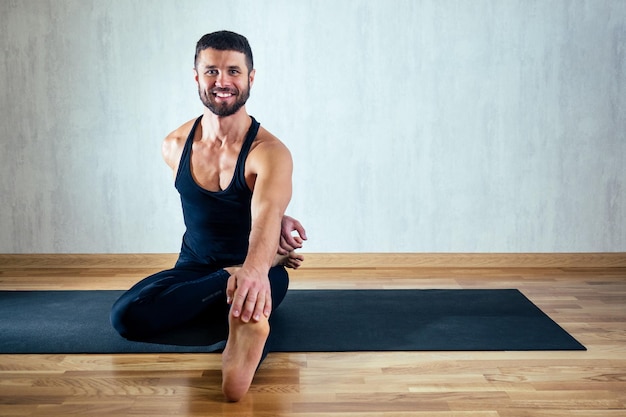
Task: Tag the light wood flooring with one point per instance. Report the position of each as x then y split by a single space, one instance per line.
589 302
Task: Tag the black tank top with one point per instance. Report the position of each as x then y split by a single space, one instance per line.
218 223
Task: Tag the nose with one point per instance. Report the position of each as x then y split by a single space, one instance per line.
222 79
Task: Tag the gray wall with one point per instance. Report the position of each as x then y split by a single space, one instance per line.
416 126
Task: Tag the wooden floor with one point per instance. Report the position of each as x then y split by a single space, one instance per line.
590 303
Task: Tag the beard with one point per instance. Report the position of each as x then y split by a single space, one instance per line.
224 109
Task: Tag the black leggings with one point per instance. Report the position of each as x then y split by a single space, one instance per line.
171 298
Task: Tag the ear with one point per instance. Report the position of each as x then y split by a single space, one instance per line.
251 76
195 75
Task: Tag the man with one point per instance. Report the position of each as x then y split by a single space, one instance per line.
234 179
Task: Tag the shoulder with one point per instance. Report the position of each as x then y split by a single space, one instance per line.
269 165
268 149
174 142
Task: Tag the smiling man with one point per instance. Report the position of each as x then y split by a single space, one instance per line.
234 180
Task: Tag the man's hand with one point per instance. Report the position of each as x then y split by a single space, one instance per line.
249 294
288 242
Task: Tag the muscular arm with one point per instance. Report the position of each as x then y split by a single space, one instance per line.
249 289
172 145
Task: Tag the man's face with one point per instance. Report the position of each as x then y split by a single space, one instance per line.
223 80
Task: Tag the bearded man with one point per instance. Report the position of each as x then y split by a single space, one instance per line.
234 180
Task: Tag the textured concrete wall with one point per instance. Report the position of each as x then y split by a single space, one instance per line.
420 126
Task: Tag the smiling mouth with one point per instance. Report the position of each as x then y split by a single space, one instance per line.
223 94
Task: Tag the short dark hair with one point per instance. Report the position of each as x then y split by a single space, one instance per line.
225 40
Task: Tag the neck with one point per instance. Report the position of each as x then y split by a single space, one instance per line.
225 129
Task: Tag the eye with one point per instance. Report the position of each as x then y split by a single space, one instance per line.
234 72
211 72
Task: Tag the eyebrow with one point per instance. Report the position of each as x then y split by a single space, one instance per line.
230 67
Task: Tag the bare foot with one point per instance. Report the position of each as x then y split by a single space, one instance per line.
242 355
291 260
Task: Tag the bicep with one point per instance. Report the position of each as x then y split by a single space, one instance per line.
171 153
273 186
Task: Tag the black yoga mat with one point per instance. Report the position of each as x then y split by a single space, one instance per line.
306 321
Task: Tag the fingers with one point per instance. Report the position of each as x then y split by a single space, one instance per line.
300 229
289 245
235 295
296 226
290 225
258 307
249 307
254 305
283 247
231 286
267 310
248 302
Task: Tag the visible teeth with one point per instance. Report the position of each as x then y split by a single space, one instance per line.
223 93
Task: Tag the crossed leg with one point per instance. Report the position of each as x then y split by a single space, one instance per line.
245 344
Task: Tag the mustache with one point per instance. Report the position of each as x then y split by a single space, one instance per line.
218 90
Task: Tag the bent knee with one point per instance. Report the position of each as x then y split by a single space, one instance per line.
125 322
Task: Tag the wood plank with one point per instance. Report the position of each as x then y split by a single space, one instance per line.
589 302
337 260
